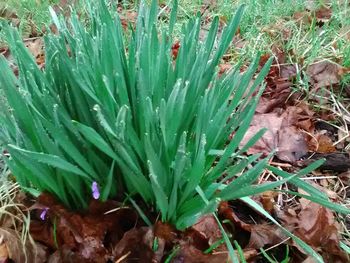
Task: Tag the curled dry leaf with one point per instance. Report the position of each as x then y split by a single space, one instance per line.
267 200
317 226
283 132
265 234
279 81
36 48
165 231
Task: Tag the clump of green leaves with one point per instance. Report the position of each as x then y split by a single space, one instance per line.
114 107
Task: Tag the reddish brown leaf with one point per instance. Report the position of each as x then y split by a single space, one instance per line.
302 17
323 14
190 254
136 246
288 71
205 233
175 49
279 82
165 231
83 236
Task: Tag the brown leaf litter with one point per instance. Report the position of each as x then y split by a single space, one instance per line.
82 237
95 236
325 73
283 133
188 246
316 225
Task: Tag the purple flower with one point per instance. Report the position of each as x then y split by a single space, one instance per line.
95 191
43 213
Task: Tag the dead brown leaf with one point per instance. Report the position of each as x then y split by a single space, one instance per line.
265 234
260 234
127 17
83 236
282 135
302 17
13 248
9 14
205 233
36 48
224 68
175 49
279 81
267 200
165 231
321 143
324 73
317 226
323 14
190 254
136 246
4 253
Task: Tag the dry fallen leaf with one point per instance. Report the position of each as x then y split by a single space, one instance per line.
323 14
127 17
281 135
317 226
127 251
208 228
324 73
267 200
321 143
12 247
190 254
224 68
260 234
82 237
4 254
265 234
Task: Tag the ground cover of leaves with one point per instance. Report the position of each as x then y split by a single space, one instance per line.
303 125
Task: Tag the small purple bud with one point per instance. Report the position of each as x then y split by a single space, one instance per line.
43 213
95 191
